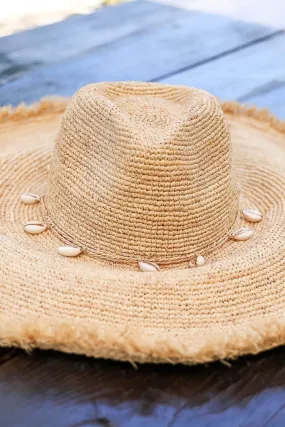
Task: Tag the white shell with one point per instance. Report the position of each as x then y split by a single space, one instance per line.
200 261
197 261
69 251
30 198
148 266
35 227
252 215
242 234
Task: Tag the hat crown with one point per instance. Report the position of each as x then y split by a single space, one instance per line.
142 170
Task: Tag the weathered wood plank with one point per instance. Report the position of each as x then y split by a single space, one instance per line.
146 55
6 355
49 389
251 75
271 96
77 34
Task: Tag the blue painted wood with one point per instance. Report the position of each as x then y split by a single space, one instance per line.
49 389
252 75
271 96
149 54
78 34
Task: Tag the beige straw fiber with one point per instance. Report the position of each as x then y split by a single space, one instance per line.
140 171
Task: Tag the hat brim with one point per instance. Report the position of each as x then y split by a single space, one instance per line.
235 304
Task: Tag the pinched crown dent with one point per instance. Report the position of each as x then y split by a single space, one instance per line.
143 170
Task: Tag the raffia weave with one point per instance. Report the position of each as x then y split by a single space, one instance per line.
142 171
233 305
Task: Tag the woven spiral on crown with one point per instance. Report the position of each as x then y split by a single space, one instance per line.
142 170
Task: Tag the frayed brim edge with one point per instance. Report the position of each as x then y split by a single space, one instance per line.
134 345
48 105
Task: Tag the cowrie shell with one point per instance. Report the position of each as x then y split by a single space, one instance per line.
242 234
148 266
30 198
69 251
252 215
200 261
34 227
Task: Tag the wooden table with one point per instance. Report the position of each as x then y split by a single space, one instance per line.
143 41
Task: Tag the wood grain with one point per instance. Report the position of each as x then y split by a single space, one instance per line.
49 389
148 54
78 34
270 95
252 75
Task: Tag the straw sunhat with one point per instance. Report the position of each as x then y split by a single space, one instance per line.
157 234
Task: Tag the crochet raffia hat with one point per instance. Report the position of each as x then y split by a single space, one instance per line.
145 223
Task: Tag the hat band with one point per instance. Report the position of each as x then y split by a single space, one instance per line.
127 259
